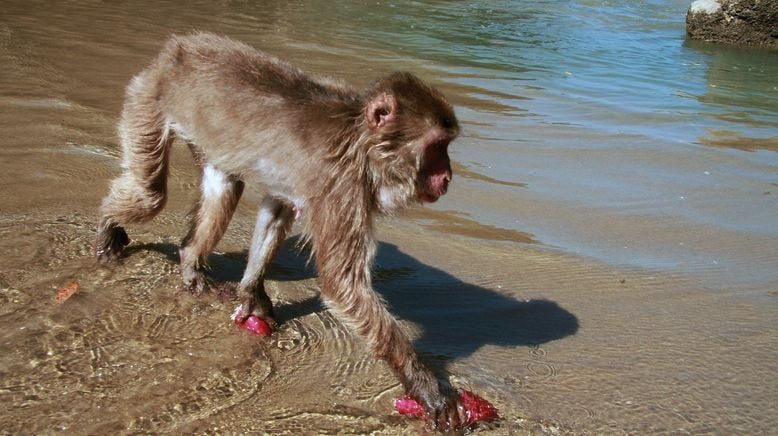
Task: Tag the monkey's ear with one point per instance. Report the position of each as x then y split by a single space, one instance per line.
381 110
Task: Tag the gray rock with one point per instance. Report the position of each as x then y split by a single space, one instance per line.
752 22
705 6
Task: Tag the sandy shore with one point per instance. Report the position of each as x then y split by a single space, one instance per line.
555 341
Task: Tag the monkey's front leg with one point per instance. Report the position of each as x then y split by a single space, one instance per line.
440 400
347 289
273 222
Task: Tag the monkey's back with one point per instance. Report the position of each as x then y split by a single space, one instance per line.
245 108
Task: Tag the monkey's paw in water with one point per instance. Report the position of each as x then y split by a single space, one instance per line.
476 408
252 324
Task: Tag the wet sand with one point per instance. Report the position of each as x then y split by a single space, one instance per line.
554 341
560 339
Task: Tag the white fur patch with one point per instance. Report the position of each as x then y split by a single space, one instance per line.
136 84
264 218
237 312
267 170
705 6
178 128
214 182
278 182
389 199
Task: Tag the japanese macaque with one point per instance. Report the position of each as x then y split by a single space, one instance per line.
317 147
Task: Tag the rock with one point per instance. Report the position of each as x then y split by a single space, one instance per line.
751 22
705 6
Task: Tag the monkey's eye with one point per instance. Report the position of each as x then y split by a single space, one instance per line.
447 122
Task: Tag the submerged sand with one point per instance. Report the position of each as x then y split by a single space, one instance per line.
559 340
554 341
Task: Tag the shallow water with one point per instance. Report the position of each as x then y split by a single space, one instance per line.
605 261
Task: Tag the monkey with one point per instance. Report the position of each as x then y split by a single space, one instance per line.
317 147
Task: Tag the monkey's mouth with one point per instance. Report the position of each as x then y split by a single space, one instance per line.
435 187
432 195
428 198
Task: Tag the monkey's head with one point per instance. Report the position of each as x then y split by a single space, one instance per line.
411 124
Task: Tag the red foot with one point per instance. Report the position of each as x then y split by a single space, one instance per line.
253 324
476 408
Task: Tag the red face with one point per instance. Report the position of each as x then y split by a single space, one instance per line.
417 122
435 169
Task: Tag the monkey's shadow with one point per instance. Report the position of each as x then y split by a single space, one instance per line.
454 318
458 318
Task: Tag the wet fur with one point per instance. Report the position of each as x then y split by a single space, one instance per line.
315 144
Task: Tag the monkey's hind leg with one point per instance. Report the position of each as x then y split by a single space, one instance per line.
139 193
219 198
273 222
